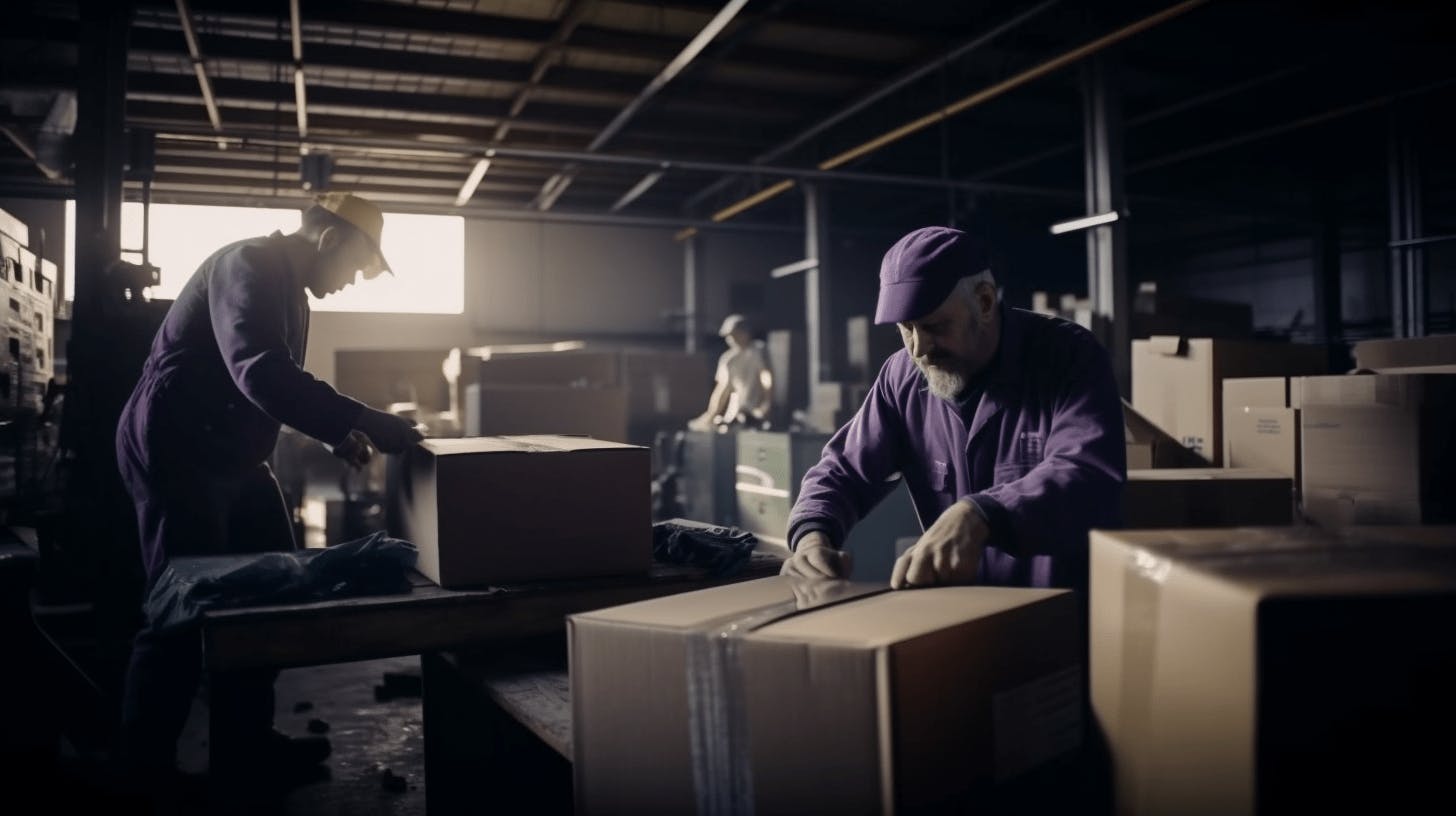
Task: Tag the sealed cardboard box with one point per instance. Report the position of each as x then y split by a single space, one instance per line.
1177 383
501 410
892 702
1206 497
497 510
1275 670
1379 449
1411 355
1261 424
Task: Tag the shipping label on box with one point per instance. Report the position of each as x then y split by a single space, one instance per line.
496 510
713 701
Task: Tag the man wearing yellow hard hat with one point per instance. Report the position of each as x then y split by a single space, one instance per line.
224 372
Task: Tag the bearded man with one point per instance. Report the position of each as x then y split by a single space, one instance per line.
1006 426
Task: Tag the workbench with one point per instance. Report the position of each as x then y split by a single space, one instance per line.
427 620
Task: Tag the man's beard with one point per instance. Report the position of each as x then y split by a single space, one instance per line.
943 382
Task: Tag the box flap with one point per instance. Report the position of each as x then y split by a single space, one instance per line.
1168 345
538 443
881 620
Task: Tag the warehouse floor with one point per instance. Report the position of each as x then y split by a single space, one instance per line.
370 737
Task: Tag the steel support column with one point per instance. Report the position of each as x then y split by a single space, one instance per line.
818 291
1328 278
1407 260
100 147
691 283
1107 278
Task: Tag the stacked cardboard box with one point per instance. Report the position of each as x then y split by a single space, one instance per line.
1261 424
1148 446
1206 497
1412 355
553 389
1270 671
1177 383
1379 448
733 700
500 510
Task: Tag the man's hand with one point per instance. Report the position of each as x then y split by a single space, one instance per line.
389 433
355 449
816 558
948 553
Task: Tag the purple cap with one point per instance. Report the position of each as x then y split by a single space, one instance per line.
921 269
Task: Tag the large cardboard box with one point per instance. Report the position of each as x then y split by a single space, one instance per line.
1379 449
1178 383
1274 671
899 701
1411 355
523 409
498 510
1206 497
1261 424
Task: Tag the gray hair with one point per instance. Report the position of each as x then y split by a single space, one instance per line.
966 287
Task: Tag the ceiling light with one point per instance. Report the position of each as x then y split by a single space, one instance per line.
1084 222
472 181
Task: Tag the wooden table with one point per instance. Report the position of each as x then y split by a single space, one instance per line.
427 620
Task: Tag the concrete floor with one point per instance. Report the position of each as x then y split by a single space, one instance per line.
368 737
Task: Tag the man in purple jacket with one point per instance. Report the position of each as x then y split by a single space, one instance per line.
224 372
1006 426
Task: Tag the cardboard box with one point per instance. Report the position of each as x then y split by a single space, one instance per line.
666 387
1206 497
1436 354
497 510
600 413
1261 424
1379 449
381 377
1149 447
1274 671
891 702
1178 383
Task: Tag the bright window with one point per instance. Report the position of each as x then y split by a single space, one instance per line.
427 253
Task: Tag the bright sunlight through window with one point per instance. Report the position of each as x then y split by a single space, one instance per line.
427 253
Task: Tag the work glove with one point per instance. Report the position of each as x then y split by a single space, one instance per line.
948 553
815 557
389 433
355 449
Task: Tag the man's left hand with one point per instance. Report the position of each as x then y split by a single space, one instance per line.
948 553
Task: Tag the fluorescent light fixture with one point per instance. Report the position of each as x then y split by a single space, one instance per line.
794 268
638 189
555 186
300 102
472 181
1084 222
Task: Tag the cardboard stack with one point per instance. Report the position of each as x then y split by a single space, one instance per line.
1261 424
554 389
1285 670
499 510
731 700
1379 449
1412 355
1177 383
1206 497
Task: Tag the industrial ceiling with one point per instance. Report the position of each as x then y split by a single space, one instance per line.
703 112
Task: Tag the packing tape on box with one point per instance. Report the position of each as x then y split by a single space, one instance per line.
717 714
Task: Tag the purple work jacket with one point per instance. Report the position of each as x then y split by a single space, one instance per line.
225 369
1041 454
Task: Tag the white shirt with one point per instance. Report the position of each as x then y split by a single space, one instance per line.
743 369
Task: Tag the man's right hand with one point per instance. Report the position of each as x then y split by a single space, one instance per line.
389 433
815 557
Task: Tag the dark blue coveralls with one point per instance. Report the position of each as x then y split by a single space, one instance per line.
225 369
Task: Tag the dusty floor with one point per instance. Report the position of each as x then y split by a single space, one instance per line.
369 736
